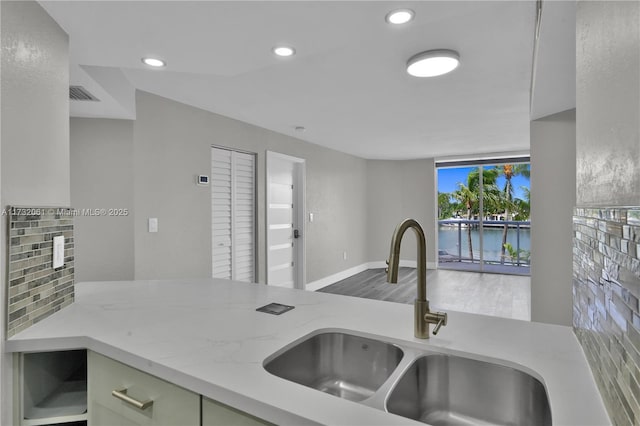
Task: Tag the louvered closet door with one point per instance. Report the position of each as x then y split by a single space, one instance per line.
221 202
243 217
233 214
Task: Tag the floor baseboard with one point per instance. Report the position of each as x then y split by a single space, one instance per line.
332 279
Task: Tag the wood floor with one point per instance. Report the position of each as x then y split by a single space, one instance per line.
507 296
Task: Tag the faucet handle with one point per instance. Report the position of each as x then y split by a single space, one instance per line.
437 318
442 321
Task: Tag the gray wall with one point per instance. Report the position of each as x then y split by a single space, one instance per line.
102 178
608 103
35 107
172 145
606 270
553 180
34 137
356 203
336 195
397 190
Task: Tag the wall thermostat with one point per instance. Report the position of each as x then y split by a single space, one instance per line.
203 180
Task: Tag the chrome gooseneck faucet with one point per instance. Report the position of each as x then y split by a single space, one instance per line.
423 316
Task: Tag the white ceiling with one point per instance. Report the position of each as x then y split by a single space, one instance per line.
347 84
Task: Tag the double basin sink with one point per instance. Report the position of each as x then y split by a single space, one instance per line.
424 385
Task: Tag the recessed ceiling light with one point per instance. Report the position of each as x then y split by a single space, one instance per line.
400 16
154 62
284 51
433 63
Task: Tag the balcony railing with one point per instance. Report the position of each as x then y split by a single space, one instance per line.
519 256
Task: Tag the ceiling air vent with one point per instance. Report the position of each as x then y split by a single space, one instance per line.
79 93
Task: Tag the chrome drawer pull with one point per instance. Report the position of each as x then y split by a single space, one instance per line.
122 395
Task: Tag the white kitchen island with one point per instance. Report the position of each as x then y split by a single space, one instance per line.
206 336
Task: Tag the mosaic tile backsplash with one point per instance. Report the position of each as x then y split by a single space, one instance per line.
606 312
37 290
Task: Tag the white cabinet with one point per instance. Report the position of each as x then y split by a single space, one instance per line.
217 414
52 388
85 388
121 395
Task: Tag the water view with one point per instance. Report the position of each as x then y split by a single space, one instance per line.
449 248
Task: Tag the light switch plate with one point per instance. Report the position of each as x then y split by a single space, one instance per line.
58 252
153 224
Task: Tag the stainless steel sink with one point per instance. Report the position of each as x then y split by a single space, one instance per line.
348 366
414 382
451 390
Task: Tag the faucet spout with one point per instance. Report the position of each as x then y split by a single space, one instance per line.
423 316
394 256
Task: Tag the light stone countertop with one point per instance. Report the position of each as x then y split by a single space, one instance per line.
206 336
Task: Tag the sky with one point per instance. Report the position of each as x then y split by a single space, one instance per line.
448 179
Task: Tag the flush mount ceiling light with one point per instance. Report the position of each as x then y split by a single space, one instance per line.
433 63
399 16
300 129
154 62
284 51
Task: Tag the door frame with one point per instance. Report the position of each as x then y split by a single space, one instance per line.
299 194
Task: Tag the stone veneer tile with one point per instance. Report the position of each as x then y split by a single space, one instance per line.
606 304
36 290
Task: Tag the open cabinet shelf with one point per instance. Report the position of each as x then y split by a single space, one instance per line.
54 388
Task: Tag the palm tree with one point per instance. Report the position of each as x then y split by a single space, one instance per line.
466 197
491 196
469 195
444 205
509 171
523 207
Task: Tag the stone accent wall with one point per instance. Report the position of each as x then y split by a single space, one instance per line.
606 312
36 290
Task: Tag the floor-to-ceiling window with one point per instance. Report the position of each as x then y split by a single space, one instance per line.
484 215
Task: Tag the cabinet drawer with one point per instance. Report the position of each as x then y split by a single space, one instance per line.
172 405
217 414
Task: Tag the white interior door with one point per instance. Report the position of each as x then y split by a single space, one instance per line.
285 220
233 214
